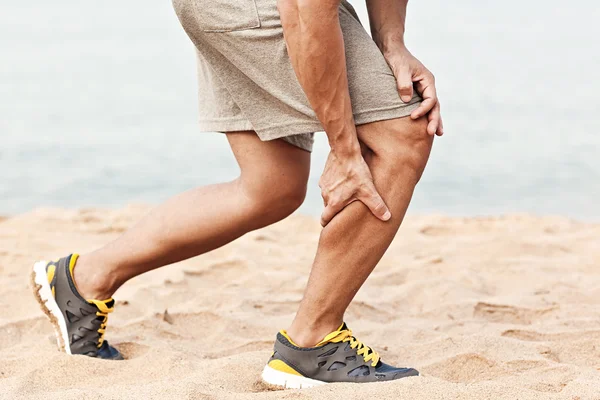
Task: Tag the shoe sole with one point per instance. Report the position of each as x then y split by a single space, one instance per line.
288 381
43 294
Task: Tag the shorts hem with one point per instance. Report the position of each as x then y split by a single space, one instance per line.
225 125
365 117
287 130
293 133
272 133
360 118
293 128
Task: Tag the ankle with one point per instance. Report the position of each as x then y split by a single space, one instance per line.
309 333
92 279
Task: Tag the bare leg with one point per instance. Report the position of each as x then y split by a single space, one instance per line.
354 241
271 185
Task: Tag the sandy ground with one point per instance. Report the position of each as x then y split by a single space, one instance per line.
487 308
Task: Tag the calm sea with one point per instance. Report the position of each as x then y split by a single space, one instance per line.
98 107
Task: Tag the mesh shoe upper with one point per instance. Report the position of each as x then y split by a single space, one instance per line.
85 319
340 357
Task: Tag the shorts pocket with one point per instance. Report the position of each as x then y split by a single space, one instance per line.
227 15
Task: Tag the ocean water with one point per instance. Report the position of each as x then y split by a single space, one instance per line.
98 107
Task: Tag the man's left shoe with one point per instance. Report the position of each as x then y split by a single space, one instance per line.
79 324
339 357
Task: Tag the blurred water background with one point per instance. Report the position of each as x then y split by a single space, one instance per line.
98 107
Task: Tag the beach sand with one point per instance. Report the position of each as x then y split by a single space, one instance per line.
486 308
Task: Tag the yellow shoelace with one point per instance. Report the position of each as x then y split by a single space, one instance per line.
104 311
346 336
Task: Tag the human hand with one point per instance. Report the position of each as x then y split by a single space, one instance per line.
345 179
408 72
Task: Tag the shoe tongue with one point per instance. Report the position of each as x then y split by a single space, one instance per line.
103 305
332 335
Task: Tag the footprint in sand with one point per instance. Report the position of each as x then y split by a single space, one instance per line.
576 347
509 314
395 278
553 380
466 368
258 345
222 270
362 310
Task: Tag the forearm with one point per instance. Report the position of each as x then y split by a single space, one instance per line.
316 48
387 19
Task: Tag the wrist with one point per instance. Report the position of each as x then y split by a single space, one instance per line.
345 146
390 42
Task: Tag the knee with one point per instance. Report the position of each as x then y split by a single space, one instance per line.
288 198
273 200
404 148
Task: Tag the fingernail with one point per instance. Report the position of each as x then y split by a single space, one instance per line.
387 215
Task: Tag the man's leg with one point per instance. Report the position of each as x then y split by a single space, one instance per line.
271 185
354 241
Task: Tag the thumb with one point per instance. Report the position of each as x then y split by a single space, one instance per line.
329 212
405 86
377 206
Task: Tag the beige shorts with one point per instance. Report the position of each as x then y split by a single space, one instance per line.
246 80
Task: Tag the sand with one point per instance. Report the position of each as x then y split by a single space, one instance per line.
486 308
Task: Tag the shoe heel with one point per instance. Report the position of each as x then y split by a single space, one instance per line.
43 294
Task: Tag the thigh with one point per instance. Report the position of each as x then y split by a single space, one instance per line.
269 165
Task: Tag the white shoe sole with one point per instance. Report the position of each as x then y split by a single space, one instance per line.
288 381
43 294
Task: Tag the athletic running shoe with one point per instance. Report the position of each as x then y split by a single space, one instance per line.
339 357
79 324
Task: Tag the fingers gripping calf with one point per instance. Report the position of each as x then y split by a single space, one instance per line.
394 154
398 151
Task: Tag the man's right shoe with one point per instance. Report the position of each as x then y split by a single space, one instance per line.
79 324
339 357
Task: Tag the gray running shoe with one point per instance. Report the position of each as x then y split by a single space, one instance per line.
79 324
339 357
